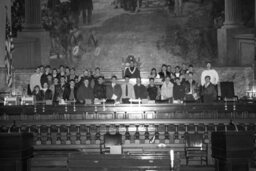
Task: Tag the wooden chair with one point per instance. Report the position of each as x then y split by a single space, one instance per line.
227 91
195 148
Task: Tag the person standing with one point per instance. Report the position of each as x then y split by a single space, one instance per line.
164 73
35 79
209 92
152 90
214 76
99 90
167 89
178 91
127 90
86 7
114 91
140 90
70 91
85 92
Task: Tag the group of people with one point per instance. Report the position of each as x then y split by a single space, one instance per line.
178 84
168 85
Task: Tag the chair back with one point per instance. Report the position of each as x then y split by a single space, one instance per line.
194 140
112 140
227 89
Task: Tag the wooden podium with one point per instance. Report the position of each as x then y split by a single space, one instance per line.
15 151
232 151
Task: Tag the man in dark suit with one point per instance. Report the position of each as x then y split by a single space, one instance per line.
114 91
86 6
140 90
132 71
99 90
70 91
209 91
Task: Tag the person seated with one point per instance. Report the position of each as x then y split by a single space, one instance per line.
140 90
70 91
167 89
127 90
152 90
99 90
85 92
153 74
114 91
178 91
132 71
37 93
209 92
47 93
191 88
164 73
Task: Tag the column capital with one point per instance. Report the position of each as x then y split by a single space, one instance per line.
233 14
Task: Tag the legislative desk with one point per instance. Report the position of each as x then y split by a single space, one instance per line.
82 127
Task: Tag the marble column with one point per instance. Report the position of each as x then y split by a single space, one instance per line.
3 5
233 13
233 26
255 15
32 14
255 39
37 52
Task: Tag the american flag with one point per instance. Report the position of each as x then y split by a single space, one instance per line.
9 47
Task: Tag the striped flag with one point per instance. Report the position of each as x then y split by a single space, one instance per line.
9 47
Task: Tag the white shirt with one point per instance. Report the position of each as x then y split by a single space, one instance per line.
166 90
212 73
35 80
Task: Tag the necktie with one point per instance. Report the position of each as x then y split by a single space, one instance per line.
126 90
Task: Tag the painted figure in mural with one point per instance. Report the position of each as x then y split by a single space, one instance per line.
93 42
75 49
178 6
53 4
117 3
74 7
52 25
86 7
